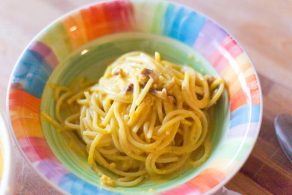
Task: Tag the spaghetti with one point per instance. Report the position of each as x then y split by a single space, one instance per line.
146 117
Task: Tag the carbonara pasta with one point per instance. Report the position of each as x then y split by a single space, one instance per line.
145 117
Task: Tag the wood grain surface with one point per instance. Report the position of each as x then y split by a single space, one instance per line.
264 29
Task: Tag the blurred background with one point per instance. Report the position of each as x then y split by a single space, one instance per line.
263 28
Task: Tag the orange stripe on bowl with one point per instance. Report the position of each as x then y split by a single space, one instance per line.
24 114
95 21
20 98
235 86
254 89
25 123
207 180
230 76
238 99
75 30
237 96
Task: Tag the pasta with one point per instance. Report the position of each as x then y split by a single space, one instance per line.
145 117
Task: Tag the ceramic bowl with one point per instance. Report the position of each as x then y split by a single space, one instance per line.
84 41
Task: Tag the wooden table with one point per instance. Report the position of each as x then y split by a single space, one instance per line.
263 27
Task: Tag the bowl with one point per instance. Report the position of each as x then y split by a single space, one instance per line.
5 159
85 41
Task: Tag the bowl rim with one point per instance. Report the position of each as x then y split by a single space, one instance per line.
248 153
43 31
228 177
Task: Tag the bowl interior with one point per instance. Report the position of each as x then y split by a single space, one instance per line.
90 62
85 41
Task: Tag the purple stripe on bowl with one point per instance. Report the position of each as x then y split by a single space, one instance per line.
46 53
210 34
240 130
53 170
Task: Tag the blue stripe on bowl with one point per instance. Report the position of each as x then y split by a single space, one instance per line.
32 72
182 24
74 185
241 115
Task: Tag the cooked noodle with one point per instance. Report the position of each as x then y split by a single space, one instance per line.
145 118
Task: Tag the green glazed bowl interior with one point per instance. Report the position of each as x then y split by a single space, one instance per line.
90 62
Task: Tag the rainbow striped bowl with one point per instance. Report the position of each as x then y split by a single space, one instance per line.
84 41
